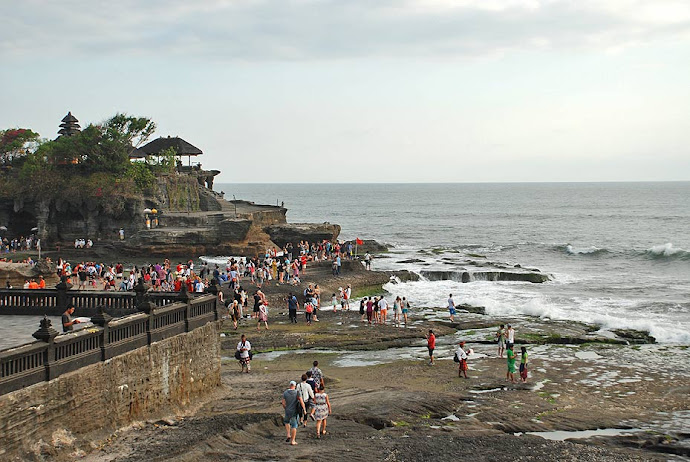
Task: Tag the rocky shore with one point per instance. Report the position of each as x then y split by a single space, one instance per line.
591 395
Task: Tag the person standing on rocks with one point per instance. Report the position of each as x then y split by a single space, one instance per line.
510 355
244 350
451 307
306 392
292 401
500 337
523 364
431 346
362 304
510 335
405 309
383 309
292 307
462 356
367 261
397 310
370 309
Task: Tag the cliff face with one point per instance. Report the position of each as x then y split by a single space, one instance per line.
192 219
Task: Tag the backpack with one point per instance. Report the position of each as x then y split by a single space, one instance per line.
455 358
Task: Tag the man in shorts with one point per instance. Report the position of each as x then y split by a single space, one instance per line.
431 346
291 402
451 307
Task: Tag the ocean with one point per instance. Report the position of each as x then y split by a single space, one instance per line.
618 254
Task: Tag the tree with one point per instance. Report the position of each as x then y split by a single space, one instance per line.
16 143
134 131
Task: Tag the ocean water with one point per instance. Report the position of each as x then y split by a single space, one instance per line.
618 254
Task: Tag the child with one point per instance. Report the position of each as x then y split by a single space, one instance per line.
334 302
523 364
308 310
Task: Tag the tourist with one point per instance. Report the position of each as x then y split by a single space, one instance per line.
405 309
291 401
308 311
500 337
338 264
306 392
322 409
362 304
317 301
334 302
383 309
316 374
347 294
397 311
451 307
235 313
370 309
377 318
257 303
462 357
367 261
510 335
67 322
263 316
523 364
244 348
431 345
293 305
510 355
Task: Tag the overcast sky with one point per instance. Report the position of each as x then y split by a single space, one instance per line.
369 91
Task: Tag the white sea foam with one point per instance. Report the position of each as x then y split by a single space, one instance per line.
667 250
582 251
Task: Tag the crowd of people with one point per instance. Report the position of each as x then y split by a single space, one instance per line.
31 242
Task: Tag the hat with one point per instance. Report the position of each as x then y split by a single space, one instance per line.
461 343
293 383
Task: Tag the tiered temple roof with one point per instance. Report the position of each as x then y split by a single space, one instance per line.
69 125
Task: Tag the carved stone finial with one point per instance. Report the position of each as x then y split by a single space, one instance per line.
46 331
102 318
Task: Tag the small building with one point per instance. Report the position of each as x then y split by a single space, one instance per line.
182 149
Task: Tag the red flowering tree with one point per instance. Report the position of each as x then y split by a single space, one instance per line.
16 143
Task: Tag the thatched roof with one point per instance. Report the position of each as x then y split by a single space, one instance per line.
182 148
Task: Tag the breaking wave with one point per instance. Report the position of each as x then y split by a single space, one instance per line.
667 251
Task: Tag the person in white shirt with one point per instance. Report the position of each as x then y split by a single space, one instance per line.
462 356
243 349
451 307
510 335
383 309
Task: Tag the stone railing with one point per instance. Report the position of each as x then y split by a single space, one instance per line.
55 354
53 302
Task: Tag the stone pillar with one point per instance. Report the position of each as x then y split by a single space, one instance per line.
102 319
47 334
185 297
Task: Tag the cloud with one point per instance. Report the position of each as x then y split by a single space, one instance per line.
331 29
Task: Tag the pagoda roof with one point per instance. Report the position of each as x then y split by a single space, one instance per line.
182 148
69 118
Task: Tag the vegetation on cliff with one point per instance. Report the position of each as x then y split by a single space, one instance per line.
89 165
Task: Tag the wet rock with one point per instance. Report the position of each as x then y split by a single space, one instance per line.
411 260
634 336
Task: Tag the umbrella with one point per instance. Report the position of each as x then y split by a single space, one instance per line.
147 210
3 228
34 229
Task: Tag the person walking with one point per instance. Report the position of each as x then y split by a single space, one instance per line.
431 345
397 311
316 374
322 406
306 392
263 316
292 307
244 353
451 307
462 357
292 401
405 309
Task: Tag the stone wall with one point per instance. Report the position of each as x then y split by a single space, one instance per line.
152 381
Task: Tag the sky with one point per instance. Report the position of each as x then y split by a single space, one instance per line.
325 91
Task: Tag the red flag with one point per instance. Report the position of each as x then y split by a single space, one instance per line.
359 241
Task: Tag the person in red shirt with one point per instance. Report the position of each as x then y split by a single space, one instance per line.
431 345
41 283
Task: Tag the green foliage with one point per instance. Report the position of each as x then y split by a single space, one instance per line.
16 143
128 130
141 174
